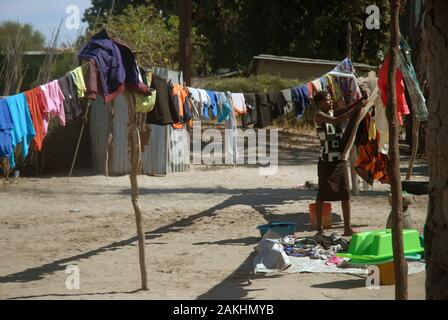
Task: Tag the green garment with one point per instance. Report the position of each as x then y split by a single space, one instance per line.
78 78
145 103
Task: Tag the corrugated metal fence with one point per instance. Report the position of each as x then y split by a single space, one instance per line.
167 149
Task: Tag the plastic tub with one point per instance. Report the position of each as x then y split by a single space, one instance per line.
326 215
375 247
281 228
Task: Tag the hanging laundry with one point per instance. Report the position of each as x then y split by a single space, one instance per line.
109 62
310 89
346 84
71 101
188 109
78 79
164 111
334 89
324 83
226 111
90 73
179 105
263 110
196 102
6 127
382 125
213 106
145 104
23 131
183 108
238 103
221 98
251 106
300 97
205 101
287 95
37 107
278 104
370 164
417 100
288 98
317 85
402 106
54 101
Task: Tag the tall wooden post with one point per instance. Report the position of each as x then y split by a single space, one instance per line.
401 272
185 41
135 162
415 141
353 153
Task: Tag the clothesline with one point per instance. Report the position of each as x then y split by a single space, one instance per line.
110 67
24 117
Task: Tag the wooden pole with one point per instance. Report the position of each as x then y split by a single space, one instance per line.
349 40
353 153
185 41
401 272
415 141
135 161
84 123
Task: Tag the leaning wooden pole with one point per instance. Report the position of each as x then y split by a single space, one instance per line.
415 142
84 123
353 153
401 273
135 161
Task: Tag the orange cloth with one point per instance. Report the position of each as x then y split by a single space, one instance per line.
370 165
182 97
36 104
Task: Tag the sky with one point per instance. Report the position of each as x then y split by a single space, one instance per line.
44 15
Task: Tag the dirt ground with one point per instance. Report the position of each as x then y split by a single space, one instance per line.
200 233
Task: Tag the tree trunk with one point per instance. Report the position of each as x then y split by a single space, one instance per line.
135 161
401 274
435 51
185 41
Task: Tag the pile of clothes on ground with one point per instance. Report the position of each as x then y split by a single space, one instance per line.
317 247
275 252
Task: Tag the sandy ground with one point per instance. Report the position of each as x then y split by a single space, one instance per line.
200 233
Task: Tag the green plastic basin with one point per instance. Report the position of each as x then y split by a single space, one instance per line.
375 247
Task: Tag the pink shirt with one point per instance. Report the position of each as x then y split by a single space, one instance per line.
54 99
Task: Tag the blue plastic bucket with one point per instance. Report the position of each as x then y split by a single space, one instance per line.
281 228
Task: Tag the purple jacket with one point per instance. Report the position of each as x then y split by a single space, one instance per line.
115 62
107 56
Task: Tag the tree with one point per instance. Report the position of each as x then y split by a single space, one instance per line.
152 34
435 44
233 31
31 39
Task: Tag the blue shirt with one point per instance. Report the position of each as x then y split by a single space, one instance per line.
301 99
23 129
5 130
214 103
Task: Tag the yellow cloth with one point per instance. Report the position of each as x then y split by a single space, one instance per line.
145 103
372 130
334 87
78 78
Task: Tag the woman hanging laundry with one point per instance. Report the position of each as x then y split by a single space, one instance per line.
331 169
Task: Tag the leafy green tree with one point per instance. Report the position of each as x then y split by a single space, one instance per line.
152 35
233 31
31 39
